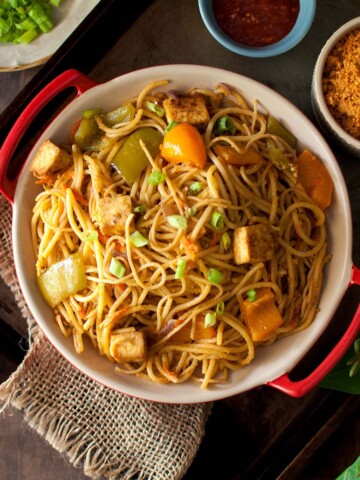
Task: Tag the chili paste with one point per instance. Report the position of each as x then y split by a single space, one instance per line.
256 23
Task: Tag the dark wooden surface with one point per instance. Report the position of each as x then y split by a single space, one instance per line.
261 434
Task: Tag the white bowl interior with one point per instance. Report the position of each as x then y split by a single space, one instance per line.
322 111
270 362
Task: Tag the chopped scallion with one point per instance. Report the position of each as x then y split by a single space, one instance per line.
195 188
171 125
89 235
155 108
180 269
177 221
220 307
155 178
214 276
226 241
140 209
224 125
138 240
210 319
217 221
191 211
251 294
117 268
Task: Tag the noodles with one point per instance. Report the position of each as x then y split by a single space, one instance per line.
167 293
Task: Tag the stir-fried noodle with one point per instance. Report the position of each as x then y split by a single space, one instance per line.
181 286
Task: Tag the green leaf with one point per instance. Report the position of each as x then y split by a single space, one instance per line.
339 378
352 472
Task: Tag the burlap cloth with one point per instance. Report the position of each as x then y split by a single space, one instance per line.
106 433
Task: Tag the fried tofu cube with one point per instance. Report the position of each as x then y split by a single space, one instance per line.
261 316
254 243
113 213
191 109
49 159
128 346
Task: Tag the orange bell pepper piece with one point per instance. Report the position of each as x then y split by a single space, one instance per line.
232 157
315 178
261 316
200 332
184 144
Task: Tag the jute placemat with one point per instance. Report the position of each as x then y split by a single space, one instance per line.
106 433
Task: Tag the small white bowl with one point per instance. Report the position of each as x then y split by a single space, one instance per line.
321 111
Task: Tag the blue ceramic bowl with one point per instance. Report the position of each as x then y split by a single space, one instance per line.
301 27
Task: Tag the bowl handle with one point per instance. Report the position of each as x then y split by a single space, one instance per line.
69 78
300 388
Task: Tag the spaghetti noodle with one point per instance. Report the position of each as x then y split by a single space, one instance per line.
170 272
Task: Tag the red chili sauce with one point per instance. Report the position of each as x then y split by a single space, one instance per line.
256 23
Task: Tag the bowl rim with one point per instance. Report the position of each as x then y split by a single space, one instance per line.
317 89
302 26
259 371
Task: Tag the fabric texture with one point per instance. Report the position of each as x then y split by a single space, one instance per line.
107 433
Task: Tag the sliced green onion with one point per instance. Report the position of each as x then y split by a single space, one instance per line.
226 241
217 221
251 294
171 125
210 319
138 240
155 108
180 269
191 211
195 188
223 125
220 307
140 209
89 235
155 178
177 221
214 276
117 268
91 112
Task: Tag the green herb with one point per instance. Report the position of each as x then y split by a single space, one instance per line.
214 276
195 188
251 294
177 221
352 472
155 108
355 360
171 125
224 125
180 269
210 319
217 220
220 307
138 240
226 241
155 178
117 268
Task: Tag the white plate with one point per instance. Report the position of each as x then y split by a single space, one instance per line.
66 18
270 362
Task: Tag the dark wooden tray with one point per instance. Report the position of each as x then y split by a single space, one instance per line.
261 434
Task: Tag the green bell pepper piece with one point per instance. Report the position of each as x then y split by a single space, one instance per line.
131 159
274 127
63 279
125 113
86 132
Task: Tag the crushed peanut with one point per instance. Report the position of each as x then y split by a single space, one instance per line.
341 83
